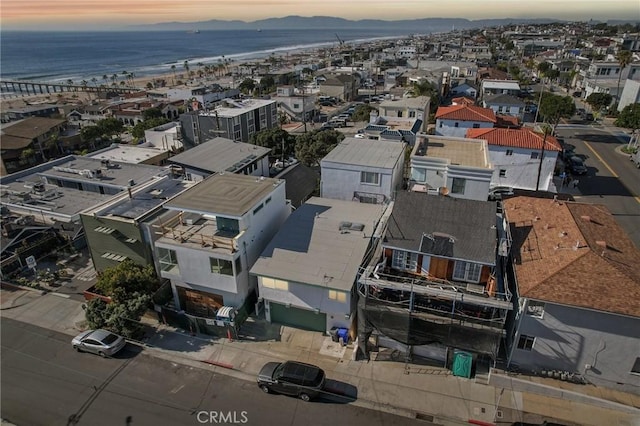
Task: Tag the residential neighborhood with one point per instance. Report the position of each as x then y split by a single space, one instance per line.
455 212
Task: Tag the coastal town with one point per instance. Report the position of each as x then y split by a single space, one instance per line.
446 225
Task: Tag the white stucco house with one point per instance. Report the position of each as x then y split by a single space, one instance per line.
455 120
456 167
212 235
495 87
516 155
363 170
306 274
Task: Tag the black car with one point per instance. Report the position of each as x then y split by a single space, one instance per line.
576 166
304 381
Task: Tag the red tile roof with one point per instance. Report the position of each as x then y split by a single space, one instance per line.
507 121
573 254
466 113
462 100
516 138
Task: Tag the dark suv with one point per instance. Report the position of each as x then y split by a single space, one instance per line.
298 379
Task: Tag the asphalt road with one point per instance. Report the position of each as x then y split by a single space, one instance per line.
611 180
44 382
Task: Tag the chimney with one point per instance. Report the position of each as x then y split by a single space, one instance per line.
586 218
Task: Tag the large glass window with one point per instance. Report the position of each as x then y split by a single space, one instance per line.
405 261
419 175
467 271
221 266
340 296
526 342
168 260
275 283
370 178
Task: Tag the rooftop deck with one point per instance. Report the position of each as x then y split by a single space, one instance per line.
197 232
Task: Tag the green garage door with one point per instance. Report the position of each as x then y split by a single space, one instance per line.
298 318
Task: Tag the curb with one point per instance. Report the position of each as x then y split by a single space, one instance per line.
12 286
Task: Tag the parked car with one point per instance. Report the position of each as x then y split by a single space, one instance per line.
304 381
588 116
100 342
576 166
498 192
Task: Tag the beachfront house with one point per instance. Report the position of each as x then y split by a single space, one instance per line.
296 104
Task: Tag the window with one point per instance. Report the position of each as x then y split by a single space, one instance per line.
503 173
403 260
636 367
370 178
476 125
412 114
534 155
509 152
339 296
168 260
221 266
526 342
275 284
238 265
456 124
419 175
467 271
457 185
441 124
535 309
257 209
267 201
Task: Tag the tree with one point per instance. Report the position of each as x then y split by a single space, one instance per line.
150 113
599 101
629 118
247 85
314 146
267 84
129 277
624 58
361 113
555 107
544 68
422 88
138 130
120 317
281 143
173 69
27 154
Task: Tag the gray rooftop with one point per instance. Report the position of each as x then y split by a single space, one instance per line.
366 152
225 194
311 248
423 223
459 151
503 99
219 154
414 102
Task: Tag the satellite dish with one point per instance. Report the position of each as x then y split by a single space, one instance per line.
443 190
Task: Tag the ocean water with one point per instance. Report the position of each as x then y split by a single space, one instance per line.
60 56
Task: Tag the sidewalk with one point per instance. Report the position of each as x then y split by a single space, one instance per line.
411 390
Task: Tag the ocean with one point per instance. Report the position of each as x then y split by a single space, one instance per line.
76 56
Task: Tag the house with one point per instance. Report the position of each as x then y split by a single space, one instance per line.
223 155
393 128
630 94
496 87
416 107
340 86
32 141
298 105
455 120
457 167
166 136
115 229
579 300
135 154
505 105
306 274
301 183
435 285
522 158
462 100
204 95
235 120
466 89
210 238
43 110
364 170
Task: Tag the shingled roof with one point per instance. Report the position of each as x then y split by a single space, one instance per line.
573 254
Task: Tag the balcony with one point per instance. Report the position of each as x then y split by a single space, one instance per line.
198 232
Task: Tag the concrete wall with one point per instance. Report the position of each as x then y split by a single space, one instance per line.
521 169
630 93
568 338
438 173
448 127
310 297
340 181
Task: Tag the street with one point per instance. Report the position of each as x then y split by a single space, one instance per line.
611 180
45 382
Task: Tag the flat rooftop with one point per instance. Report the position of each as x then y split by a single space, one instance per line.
219 155
366 152
127 153
322 243
238 107
225 194
459 151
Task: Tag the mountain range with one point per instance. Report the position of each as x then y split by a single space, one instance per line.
420 26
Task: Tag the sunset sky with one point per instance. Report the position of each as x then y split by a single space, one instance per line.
99 14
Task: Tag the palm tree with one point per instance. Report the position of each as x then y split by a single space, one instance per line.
186 66
173 69
105 78
624 58
114 77
94 81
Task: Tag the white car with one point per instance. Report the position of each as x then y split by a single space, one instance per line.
100 342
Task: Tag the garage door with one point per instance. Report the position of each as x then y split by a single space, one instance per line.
298 318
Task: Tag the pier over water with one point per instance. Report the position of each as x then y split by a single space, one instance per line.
29 88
